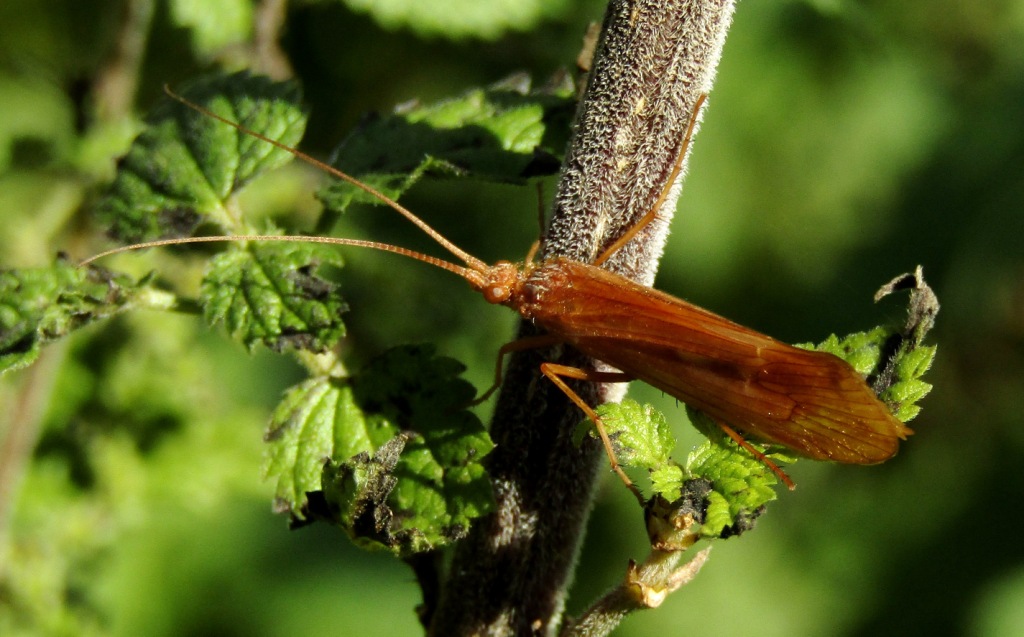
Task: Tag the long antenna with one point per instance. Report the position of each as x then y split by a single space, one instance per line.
465 257
471 275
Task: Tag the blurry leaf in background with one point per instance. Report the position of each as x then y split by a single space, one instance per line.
458 19
214 25
185 165
37 125
503 133
36 132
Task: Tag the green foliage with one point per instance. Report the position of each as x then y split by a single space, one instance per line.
863 350
903 371
214 25
32 110
390 454
742 484
413 471
185 167
269 294
644 433
644 440
908 387
507 132
460 18
393 444
38 305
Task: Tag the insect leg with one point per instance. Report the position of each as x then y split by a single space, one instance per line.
651 214
760 456
534 247
556 372
522 344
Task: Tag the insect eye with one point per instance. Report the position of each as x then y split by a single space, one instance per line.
498 293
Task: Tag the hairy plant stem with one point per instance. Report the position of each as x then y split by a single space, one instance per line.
652 62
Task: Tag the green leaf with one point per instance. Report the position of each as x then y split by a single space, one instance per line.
640 433
642 439
504 133
185 166
742 483
268 293
317 420
667 481
390 455
902 370
906 387
862 350
39 305
34 110
459 19
214 25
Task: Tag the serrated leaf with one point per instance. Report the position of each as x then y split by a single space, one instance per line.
184 166
743 484
317 421
667 481
442 486
862 350
39 305
269 293
641 434
915 363
909 391
717 516
395 455
502 133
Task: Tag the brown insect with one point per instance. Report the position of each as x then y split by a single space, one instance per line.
812 403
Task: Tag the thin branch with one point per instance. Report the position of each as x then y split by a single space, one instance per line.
645 586
654 59
117 82
21 424
268 57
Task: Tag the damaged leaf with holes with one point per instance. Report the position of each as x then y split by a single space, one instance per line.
741 484
39 305
390 455
270 294
184 166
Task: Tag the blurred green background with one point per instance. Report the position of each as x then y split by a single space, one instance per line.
845 143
